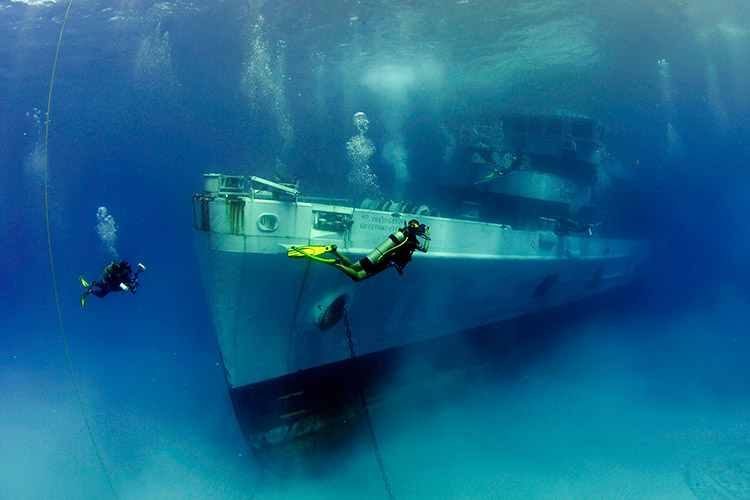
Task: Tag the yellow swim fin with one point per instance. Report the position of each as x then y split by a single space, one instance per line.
308 251
311 252
83 281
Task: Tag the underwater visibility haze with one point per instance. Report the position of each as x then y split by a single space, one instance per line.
643 393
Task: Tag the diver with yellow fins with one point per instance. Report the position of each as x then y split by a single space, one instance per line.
395 251
116 277
510 163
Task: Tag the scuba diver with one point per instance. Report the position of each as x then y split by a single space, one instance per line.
395 251
513 162
510 163
116 277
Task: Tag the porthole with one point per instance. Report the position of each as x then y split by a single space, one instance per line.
268 222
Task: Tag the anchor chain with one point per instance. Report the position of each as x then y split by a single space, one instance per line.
365 409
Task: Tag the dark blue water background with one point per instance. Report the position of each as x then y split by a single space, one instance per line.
149 96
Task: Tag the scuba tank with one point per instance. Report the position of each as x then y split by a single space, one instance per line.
389 252
389 244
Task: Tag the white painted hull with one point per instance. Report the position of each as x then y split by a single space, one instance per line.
268 308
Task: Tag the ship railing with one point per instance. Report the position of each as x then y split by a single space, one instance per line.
220 184
322 200
259 187
234 186
481 137
548 224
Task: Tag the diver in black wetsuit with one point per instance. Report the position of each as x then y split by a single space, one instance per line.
116 277
511 162
395 251
518 160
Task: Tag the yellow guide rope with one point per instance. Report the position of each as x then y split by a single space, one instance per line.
52 262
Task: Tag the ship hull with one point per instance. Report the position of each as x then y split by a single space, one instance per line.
275 316
302 421
282 323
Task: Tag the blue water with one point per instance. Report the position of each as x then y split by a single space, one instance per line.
148 96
